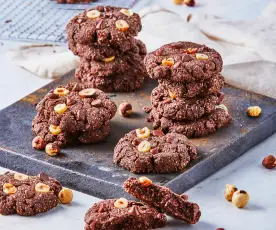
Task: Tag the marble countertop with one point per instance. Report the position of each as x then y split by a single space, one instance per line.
246 172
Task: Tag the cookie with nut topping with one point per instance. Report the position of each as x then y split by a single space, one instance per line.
183 62
123 214
151 151
73 114
28 195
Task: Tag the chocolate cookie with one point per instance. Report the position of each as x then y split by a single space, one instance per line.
123 214
105 25
168 105
99 53
183 62
74 113
200 127
146 151
163 198
28 195
212 85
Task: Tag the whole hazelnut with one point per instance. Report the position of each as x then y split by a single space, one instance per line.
240 198
52 149
65 196
269 162
189 2
229 191
125 109
38 143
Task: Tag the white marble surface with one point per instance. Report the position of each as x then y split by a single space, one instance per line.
246 172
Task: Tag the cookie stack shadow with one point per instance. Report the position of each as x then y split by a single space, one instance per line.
188 99
111 59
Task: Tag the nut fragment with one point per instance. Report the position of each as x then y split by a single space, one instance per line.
127 12
229 191
38 143
65 196
201 57
60 108
52 149
269 162
40 187
178 2
143 133
121 203
109 59
172 95
144 147
158 133
55 129
145 181
154 151
87 93
92 14
168 62
240 198
189 2
122 25
9 188
222 106
125 109
254 111
20 176
61 91
191 50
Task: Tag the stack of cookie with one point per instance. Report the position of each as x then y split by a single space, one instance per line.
188 98
111 58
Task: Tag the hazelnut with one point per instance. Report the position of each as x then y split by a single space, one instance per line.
65 196
189 2
92 14
60 108
145 181
125 109
40 187
20 176
61 91
55 129
168 62
191 50
178 2
144 147
201 57
38 143
229 191
127 12
52 149
222 106
269 162
172 95
121 203
122 25
254 111
143 133
9 188
109 59
87 93
158 133
240 198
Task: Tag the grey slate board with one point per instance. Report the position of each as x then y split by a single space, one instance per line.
89 168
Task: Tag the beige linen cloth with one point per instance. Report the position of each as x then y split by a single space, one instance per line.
248 48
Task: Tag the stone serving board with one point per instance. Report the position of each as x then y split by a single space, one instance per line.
90 169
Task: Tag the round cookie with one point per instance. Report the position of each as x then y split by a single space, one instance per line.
168 105
102 29
23 194
71 114
131 216
200 127
153 152
183 62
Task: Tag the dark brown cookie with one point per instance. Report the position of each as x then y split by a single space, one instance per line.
200 127
99 26
183 62
146 151
72 113
28 195
123 214
163 198
168 105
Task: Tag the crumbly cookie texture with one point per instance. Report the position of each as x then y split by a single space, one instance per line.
123 214
164 199
73 114
183 62
151 151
